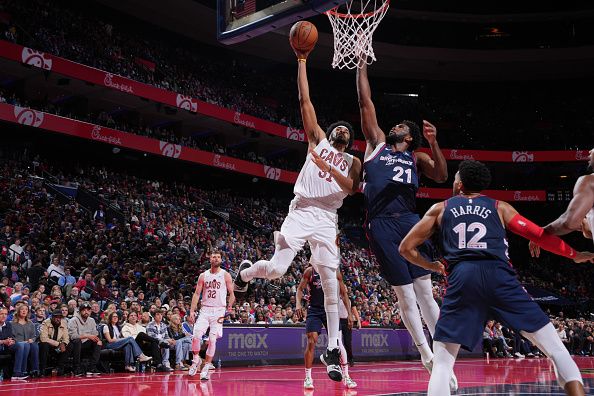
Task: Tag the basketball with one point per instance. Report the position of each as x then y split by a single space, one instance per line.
303 36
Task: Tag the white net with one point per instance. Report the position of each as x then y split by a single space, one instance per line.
353 24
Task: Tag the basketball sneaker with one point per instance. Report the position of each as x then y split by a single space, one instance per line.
240 285
194 367
209 366
349 383
453 380
331 358
204 374
308 383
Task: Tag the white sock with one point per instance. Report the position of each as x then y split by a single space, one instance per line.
443 368
330 288
412 319
273 269
308 372
345 370
424 294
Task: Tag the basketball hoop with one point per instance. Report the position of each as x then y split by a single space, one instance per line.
353 24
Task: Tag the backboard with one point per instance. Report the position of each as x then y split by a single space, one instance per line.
240 20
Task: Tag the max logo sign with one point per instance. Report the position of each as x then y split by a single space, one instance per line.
374 340
247 341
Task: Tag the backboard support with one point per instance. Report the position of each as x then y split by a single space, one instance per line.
240 20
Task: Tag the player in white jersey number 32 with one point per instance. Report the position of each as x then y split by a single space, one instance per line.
214 285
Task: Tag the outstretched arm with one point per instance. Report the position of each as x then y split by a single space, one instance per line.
434 167
350 183
518 224
196 296
315 134
373 133
419 234
580 205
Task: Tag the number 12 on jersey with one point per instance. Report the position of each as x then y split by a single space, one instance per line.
479 231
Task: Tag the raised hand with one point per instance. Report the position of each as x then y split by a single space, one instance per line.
429 132
584 257
534 249
320 163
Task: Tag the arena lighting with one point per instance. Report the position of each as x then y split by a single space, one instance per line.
563 176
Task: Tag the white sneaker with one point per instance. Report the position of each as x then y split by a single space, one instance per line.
349 383
209 366
143 358
308 383
204 374
453 380
194 368
519 355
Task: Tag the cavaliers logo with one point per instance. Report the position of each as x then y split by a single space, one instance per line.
272 173
522 156
36 58
170 149
27 116
186 103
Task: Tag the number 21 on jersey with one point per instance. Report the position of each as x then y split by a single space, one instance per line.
399 172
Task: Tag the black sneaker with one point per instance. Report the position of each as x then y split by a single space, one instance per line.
331 358
240 285
79 373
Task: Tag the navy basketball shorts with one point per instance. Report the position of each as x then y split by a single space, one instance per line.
316 318
482 290
384 235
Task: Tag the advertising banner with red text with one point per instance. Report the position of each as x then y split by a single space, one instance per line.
81 72
67 126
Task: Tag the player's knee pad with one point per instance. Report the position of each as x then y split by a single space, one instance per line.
212 345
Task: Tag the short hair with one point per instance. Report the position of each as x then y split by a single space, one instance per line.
348 126
474 175
217 252
415 133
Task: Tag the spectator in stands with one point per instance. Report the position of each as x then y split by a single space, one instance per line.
15 251
54 340
491 344
26 348
7 342
150 346
115 340
12 273
56 268
183 342
158 329
86 286
99 215
83 334
563 336
498 330
67 280
35 273
17 292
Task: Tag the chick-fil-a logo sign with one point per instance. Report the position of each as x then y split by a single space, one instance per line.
295 134
36 58
170 149
246 123
109 82
221 163
518 196
522 156
186 103
272 173
27 116
455 156
581 155
97 134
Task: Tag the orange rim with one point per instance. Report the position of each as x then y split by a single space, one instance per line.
335 13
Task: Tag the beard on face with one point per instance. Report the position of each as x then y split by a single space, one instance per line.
340 139
395 138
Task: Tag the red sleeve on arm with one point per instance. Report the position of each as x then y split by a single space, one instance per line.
524 227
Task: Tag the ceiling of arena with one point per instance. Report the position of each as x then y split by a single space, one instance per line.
197 19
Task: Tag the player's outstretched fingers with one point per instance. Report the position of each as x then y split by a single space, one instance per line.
534 249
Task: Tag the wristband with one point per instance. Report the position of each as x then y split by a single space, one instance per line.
330 170
301 60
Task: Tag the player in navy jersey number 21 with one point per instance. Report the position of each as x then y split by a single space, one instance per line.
481 281
391 172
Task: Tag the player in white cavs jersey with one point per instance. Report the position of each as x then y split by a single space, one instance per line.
214 285
327 177
580 211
